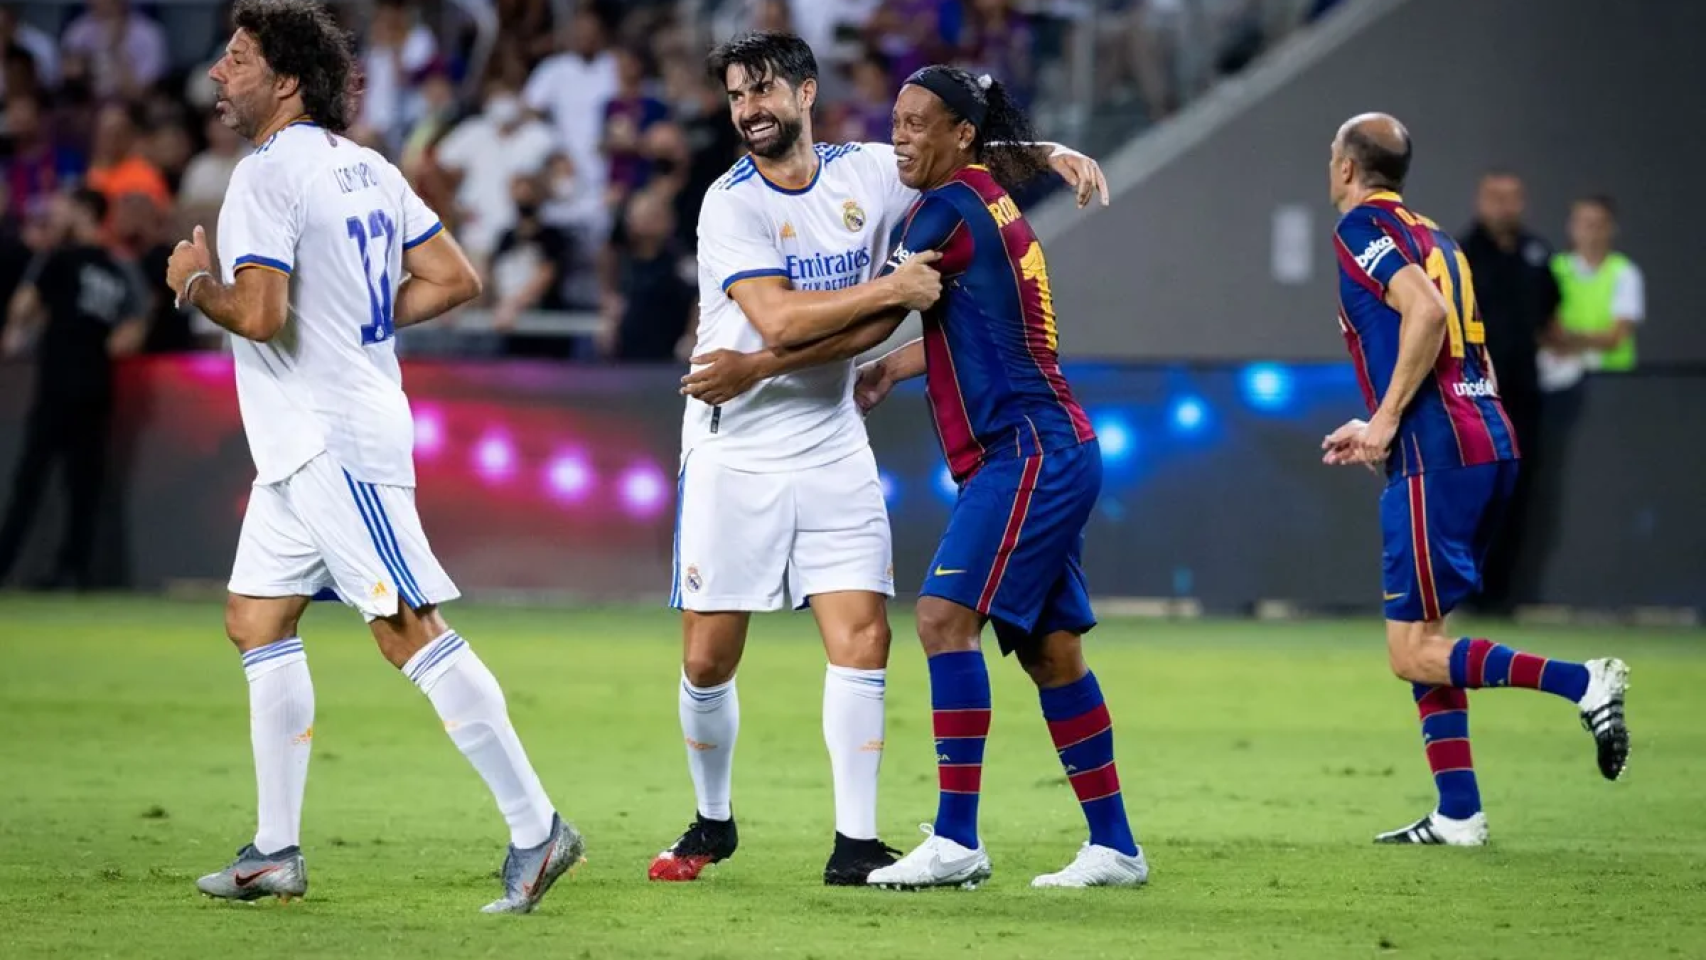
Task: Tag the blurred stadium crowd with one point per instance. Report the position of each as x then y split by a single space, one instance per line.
567 142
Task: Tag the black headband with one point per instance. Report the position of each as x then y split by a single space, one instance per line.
968 102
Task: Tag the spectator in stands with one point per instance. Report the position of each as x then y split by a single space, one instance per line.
655 285
399 49
570 90
627 116
117 165
87 307
32 58
36 165
997 39
1517 296
528 263
673 175
125 51
439 114
713 145
481 159
865 116
913 33
202 189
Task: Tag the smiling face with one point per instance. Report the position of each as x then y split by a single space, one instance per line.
929 144
769 114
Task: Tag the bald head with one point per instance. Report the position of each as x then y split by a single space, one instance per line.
1379 146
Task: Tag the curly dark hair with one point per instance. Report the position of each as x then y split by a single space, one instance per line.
1004 141
299 38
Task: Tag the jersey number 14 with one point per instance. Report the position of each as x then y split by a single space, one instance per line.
382 231
1461 323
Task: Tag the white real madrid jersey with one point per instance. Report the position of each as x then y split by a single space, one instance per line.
335 218
830 234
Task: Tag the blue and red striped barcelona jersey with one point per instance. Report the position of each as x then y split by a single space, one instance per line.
1456 418
993 379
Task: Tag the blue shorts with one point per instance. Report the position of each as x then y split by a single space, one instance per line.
1437 527
1014 547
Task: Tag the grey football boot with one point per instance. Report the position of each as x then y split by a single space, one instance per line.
254 875
529 874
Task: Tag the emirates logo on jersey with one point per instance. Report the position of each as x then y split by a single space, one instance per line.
853 216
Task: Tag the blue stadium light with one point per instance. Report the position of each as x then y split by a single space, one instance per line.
891 487
1267 386
945 485
1189 415
1116 436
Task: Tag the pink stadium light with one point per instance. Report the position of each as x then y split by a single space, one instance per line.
429 431
644 491
209 366
494 457
568 477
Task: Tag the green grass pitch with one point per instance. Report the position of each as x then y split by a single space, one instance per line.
1257 759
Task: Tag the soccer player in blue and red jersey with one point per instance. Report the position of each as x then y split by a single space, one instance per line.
1407 309
1029 471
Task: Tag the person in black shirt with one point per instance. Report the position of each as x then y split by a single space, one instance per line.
1518 297
87 307
655 295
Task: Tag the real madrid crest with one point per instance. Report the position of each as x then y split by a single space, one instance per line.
693 580
852 216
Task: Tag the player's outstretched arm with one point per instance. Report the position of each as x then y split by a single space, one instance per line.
440 278
793 318
253 306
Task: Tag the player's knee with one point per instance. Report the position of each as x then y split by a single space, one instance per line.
1405 655
1053 661
251 623
862 646
944 627
708 668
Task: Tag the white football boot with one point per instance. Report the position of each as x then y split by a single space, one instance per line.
937 862
1098 866
1437 830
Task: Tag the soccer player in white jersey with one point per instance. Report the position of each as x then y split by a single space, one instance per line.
779 491
326 251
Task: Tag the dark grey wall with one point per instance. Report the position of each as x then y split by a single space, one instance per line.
1577 95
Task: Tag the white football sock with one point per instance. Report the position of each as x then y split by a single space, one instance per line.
281 729
853 731
471 704
710 721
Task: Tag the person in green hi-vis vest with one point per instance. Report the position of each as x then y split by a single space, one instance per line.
1602 297
1601 301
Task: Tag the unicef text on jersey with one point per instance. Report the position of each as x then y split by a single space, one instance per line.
1475 388
828 271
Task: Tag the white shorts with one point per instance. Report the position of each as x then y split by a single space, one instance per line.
321 531
740 537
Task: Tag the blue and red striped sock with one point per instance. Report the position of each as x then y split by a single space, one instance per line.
1084 737
1445 734
1477 663
959 697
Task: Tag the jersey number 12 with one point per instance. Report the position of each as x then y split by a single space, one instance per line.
380 229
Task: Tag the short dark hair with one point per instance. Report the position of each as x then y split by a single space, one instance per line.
90 201
299 38
1602 201
780 56
1382 167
